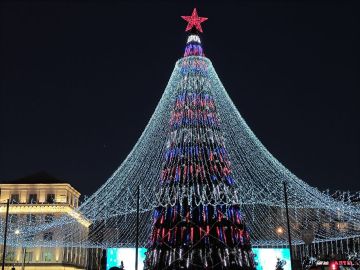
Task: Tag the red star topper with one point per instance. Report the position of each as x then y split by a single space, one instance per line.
194 21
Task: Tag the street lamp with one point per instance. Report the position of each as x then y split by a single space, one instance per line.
279 230
5 233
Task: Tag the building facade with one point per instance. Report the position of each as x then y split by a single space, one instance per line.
37 200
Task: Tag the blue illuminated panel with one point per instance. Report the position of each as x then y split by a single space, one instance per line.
114 256
266 258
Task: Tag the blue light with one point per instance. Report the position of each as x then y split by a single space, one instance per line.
266 258
126 255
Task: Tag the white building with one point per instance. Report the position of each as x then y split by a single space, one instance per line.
38 199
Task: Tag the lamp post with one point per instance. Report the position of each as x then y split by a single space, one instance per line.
5 233
288 223
137 226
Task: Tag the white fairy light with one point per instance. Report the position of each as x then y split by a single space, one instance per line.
193 38
257 174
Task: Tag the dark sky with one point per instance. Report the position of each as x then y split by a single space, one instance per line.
81 80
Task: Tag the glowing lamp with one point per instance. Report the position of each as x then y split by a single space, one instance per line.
333 266
279 230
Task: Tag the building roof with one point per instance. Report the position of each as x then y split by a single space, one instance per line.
39 178
36 178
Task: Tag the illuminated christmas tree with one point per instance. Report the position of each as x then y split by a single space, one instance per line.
203 229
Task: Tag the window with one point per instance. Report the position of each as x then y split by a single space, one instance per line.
49 218
14 198
13 218
48 236
10 256
30 218
33 198
50 198
28 256
29 238
47 256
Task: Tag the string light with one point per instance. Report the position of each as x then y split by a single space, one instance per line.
256 180
194 21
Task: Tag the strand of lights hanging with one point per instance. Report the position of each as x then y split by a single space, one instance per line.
249 176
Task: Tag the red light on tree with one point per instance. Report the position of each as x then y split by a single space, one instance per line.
333 266
194 21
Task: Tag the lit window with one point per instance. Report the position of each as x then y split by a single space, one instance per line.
28 256
47 256
10 256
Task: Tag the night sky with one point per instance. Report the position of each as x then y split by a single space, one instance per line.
81 80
